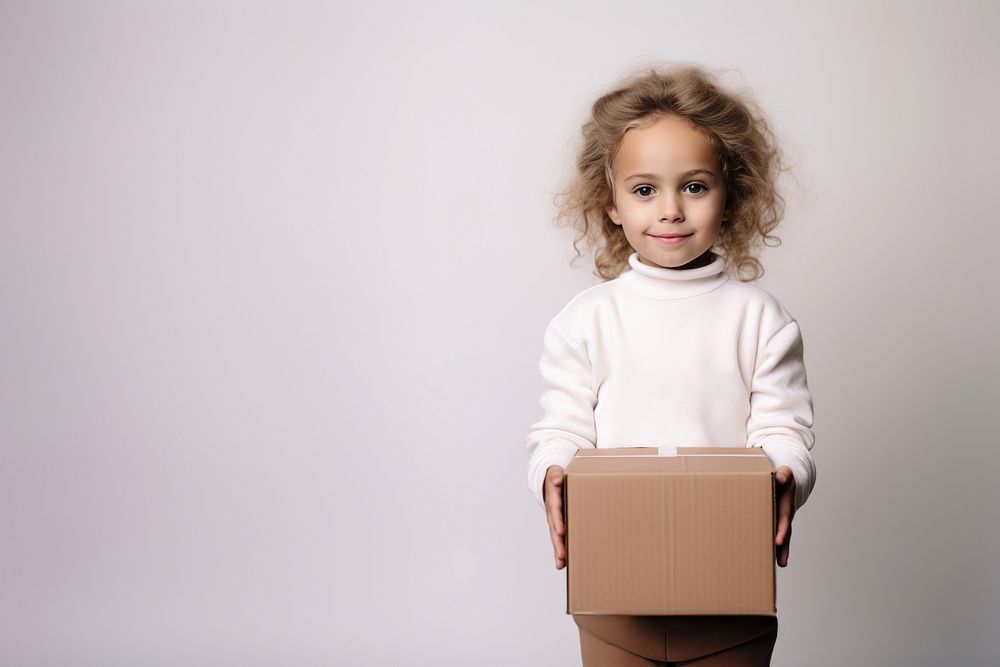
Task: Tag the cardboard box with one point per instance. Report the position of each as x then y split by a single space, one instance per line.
664 531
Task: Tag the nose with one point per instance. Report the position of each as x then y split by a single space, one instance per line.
670 209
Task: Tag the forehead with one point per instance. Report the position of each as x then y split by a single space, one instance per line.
670 144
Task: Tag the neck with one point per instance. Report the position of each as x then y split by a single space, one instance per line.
696 277
703 260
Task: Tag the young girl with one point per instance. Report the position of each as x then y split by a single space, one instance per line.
676 187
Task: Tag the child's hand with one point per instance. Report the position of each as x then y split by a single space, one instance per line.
786 510
552 494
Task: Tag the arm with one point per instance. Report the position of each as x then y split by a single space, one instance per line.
781 409
567 401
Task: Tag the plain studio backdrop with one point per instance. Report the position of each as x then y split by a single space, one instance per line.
274 278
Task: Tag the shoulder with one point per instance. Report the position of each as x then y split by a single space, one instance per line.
758 305
753 293
580 311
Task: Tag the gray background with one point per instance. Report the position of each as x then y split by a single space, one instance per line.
274 283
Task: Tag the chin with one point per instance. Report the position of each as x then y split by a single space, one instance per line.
670 263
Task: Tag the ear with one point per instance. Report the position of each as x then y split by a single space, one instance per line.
612 212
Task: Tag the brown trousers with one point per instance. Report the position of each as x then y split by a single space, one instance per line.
698 641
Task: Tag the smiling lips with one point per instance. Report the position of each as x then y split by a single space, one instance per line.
671 239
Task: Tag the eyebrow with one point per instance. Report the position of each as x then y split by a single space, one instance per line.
686 174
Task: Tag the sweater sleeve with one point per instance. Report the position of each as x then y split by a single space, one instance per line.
567 401
781 408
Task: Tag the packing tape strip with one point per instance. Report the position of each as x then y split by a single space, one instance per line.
671 452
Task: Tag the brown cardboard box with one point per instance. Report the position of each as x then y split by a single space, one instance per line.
664 531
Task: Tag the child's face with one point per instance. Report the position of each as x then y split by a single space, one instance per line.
671 215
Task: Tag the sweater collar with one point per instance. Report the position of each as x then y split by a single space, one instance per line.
663 283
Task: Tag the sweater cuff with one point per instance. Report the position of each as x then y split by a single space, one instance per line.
794 455
554 453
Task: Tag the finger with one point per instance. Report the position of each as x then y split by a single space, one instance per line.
556 530
557 482
552 481
783 551
551 475
555 514
556 523
553 484
784 526
558 549
786 503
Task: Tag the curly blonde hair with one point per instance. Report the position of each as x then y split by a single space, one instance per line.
748 153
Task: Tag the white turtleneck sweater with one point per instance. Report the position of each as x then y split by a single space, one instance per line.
671 357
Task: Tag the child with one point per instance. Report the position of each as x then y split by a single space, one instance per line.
676 186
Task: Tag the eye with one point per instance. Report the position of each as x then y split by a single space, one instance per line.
697 185
639 190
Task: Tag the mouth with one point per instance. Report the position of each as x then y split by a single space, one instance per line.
670 239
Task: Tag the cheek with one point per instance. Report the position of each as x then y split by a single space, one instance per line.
715 210
638 211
